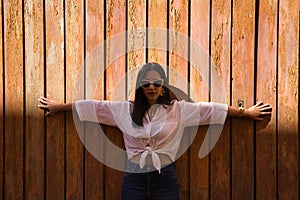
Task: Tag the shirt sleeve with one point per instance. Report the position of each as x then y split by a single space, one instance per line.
203 113
95 111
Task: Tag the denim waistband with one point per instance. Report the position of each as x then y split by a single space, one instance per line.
135 168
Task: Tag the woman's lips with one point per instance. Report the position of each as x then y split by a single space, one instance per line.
151 93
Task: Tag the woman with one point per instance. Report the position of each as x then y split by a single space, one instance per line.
152 128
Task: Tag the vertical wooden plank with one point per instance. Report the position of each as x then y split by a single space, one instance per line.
178 20
14 100
199 168
34 78
288 102
220 51
136 55
1 104
157 23
178 75
55 138
94 179
115 71
243 88
74 32
266 91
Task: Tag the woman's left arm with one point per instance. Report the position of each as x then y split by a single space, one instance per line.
255 112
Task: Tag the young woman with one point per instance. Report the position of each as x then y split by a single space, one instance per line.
152 128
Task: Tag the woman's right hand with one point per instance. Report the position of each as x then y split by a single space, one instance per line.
49 105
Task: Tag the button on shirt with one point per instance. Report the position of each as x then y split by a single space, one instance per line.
160 135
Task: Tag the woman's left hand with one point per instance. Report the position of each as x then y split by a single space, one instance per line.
49 105
257 111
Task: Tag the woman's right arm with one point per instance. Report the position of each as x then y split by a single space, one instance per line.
87 110
51 106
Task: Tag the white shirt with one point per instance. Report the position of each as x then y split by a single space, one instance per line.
160 135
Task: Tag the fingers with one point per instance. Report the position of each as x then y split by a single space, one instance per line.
259 103
44 99
49 113
43 102
264 106
44 105
265 113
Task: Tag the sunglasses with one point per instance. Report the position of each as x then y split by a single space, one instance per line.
146 83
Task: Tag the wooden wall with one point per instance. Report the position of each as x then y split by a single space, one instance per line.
254 44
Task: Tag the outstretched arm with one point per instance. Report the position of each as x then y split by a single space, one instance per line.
255 112
52 107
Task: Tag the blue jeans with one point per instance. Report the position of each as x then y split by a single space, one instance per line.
141 185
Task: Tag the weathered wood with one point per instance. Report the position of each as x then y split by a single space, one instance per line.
220 67
136 41
44 158
14 100
157 24
243 89
199 168
178 43
94 179
288 101
266 91
2 100
178 76
115 71
74 61
55 87
34 88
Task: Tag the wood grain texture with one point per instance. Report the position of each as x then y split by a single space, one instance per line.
178 76
178 44
199 168
94 177
74 26
243 88
288 101
254 49
136 41
220 70
55 87
158 24
2 100
34 88
266 91
14 101
115 71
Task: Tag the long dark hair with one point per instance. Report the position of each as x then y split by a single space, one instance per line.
141 105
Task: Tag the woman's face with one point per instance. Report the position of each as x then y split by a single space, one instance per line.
153 90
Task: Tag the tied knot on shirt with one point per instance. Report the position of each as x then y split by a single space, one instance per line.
155 158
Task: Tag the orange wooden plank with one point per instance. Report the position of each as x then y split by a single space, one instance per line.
178 75
178 43
220 48
74 60
243 88
288 100
199 168
1 106
55 138
14 104
136 42
266 91
157 35
34 78
116 24
94 181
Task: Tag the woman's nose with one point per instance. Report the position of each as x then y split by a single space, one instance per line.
151 86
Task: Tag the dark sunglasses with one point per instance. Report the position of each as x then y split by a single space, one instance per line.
146 83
